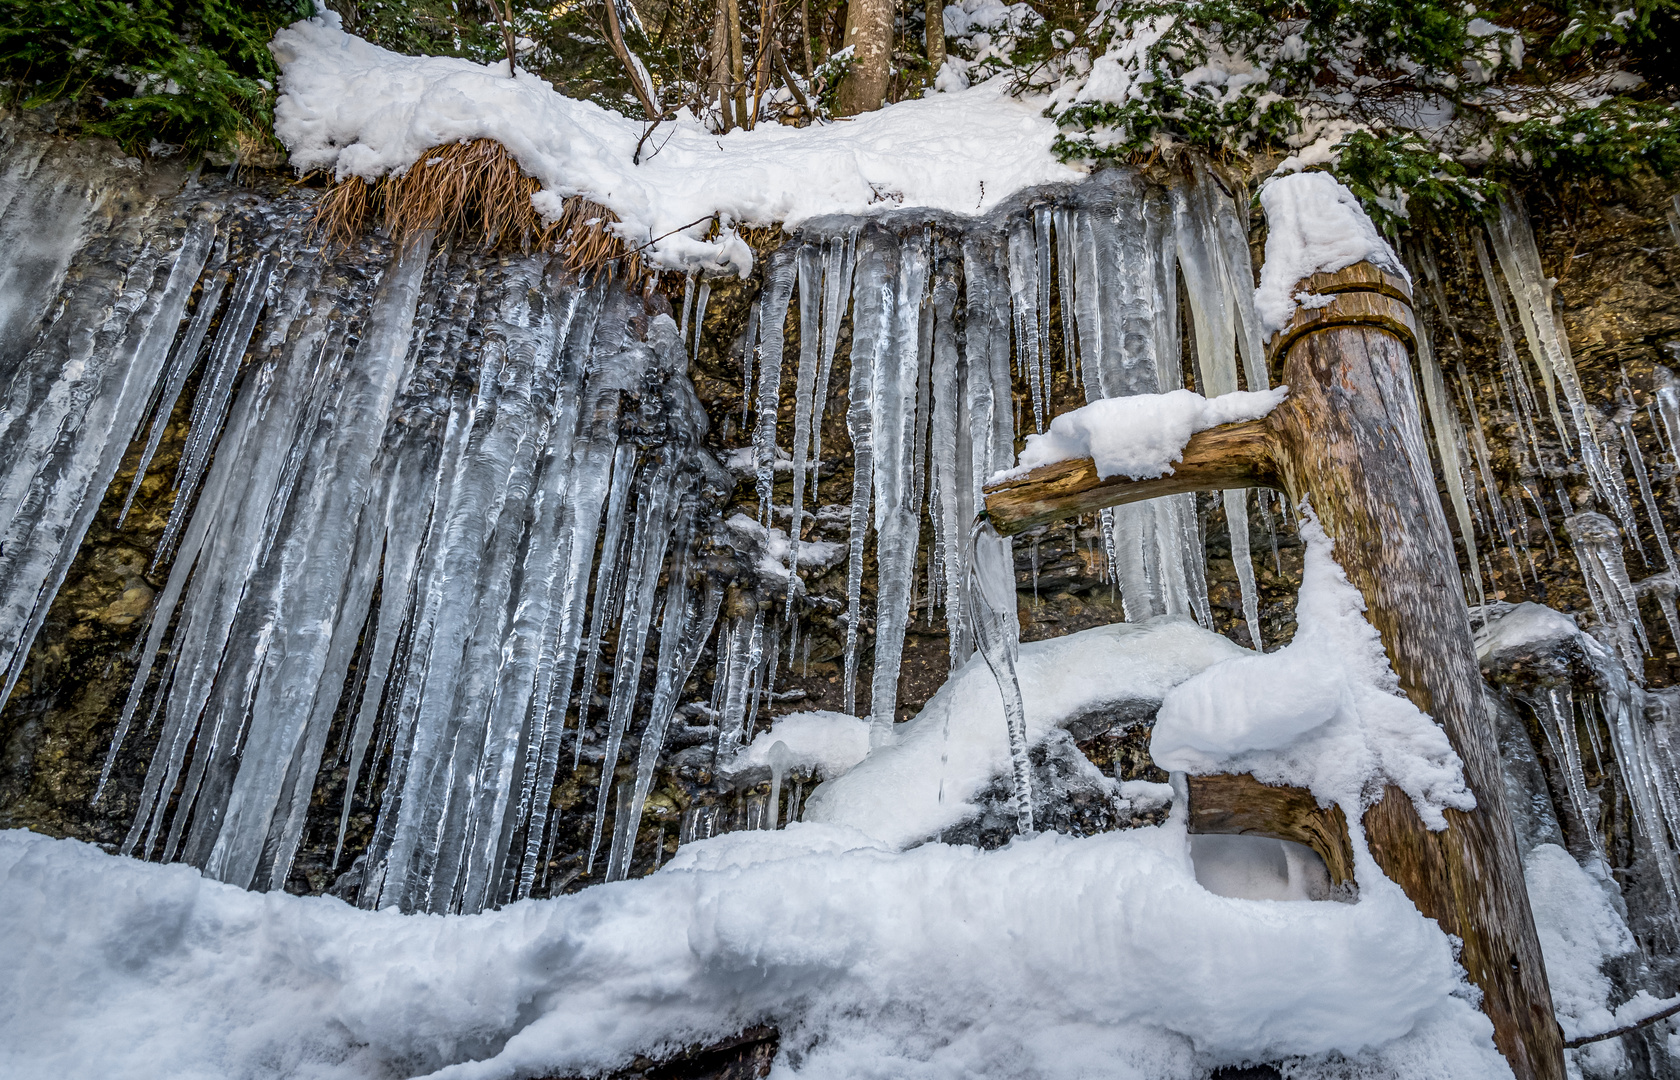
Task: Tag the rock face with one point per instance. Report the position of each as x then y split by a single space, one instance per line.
1617 268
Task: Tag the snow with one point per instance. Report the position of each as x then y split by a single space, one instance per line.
926 779
829 743
772 547
358 110
1258 868
1138 436
1324 712
1313 225
1050 958
1525 625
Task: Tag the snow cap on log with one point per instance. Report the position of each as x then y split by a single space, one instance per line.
1314 225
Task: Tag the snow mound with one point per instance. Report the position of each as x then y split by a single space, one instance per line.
1139 436
829 743
1313 225
1324 712
358 110
1050 958
926 780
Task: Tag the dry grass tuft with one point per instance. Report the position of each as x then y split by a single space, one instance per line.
476 191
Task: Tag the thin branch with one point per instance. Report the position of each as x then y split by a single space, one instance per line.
1574 1044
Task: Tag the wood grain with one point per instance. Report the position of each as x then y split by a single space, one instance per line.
1229 456
1237 803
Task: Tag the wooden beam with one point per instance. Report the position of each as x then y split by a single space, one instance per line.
1350 439
1229 456
1238 804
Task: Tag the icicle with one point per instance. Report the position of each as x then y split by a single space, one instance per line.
1598 549
837 286
1064 280
1238 525
72 406
1023 293
655 513
810 299
772 321
1624 419
872 319
749 347
780 758
1444 421
687 305
1042 240
1484 465
898 367
1513 242
1630 740
951 449
606 598
1566 747
215 392
996 630
182 361
700 300
686 629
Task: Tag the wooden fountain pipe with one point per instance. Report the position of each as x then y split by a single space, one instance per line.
1350 439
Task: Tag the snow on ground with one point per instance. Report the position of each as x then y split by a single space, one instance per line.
1324 712
874 955
1313 224
358 110
1138 436
828 743
926 780
1052 957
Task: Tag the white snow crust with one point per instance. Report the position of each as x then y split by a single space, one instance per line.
1525 624
358 110
829 743
1141 435
1050 958
1324 712
926 780
1313 225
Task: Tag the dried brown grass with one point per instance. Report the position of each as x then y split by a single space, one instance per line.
475 192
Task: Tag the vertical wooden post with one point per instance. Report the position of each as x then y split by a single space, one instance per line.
1350 439
1355 446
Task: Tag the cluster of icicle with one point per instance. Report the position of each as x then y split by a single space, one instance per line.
396 482
1576 430
365 495
937 316
1643 738
1589 711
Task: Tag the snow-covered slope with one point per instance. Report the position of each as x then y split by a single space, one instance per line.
358 110
1050 958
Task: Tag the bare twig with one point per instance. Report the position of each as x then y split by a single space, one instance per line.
1576 1043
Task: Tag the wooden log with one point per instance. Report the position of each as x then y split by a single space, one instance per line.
1238 804
1228 456
1349 437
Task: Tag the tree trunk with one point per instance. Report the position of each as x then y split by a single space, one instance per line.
766 40
869 26
737 63
935 35
717 68
615 37
805 33
1349 437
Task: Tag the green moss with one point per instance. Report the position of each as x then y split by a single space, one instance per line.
148 73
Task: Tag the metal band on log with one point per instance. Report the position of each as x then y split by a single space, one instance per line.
1349 438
